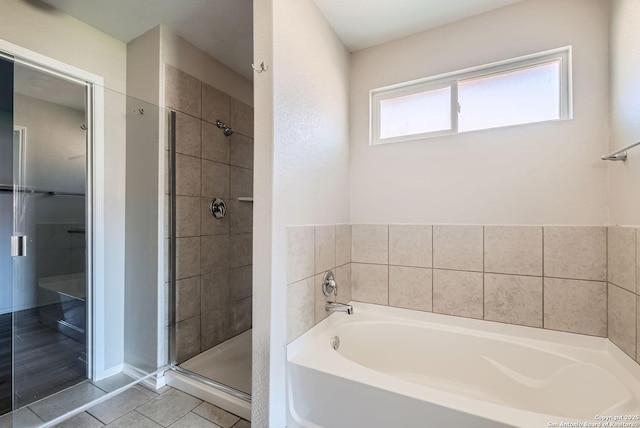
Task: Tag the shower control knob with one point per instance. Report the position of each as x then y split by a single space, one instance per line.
217 208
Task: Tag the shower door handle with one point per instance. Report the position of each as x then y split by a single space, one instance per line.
18 246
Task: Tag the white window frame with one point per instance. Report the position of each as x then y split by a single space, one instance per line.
563 55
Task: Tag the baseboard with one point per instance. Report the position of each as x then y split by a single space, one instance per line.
154 382
109 372
211 395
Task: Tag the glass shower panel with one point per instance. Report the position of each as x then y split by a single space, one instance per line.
6 230
59 343
49 234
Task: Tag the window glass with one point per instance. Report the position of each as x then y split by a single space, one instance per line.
428 111
527 95
528 89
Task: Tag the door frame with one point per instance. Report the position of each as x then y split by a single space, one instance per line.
95 229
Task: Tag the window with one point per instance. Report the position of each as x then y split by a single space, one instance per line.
535 88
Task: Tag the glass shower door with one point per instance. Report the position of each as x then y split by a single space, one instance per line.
6 230
48 246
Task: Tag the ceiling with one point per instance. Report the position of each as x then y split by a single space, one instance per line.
224 28
364 23
221 28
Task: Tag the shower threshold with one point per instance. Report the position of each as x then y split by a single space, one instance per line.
220 375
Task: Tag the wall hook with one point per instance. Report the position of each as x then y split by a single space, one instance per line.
139 111
261 69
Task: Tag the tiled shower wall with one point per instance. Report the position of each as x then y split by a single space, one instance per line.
213 260
573 279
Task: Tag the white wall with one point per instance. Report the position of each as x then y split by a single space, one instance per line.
265 343
66 39
547 173
301 164
144 267
624 68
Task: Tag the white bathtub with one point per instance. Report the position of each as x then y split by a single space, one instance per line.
401 368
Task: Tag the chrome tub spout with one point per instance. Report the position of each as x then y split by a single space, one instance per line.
339 307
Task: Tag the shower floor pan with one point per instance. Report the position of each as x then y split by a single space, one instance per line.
229 364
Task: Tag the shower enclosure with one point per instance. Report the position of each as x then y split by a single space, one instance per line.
44 211
82 312
210 213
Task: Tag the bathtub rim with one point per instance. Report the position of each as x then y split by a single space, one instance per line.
334 364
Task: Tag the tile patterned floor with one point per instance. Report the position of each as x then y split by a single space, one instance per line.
140 407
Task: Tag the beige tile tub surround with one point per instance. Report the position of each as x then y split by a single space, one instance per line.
621 257
343 244
458 247
325 248
370 243
300 253
513 299
576 252
513 249
638 261
411 288
370 283
343 275
575 306
411 245
311 251
458 293
552 277
622 319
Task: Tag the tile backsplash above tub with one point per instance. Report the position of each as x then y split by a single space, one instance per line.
578 279
311 251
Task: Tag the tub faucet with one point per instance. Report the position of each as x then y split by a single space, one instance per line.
339 307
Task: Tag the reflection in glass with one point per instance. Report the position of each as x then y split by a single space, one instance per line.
49 283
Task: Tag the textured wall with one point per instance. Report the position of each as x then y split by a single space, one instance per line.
267 335
310 151
547 173
624 73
